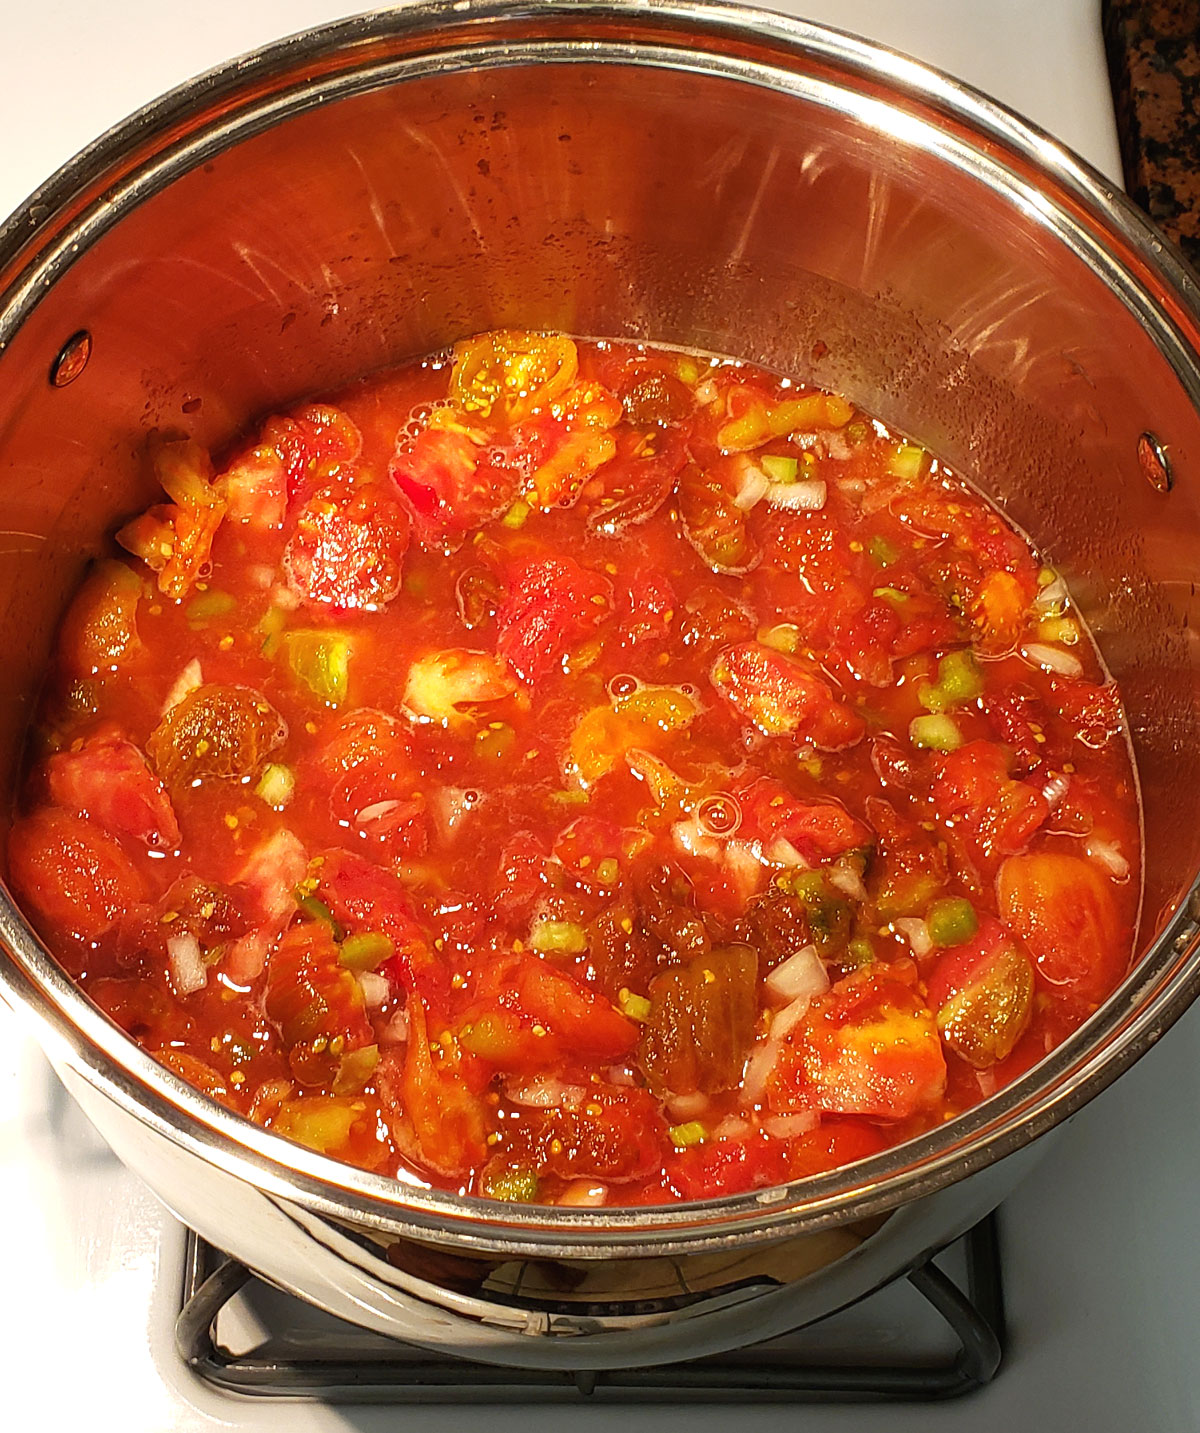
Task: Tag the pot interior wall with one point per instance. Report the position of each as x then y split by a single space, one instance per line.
615 200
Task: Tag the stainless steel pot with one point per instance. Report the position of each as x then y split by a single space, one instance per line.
707 176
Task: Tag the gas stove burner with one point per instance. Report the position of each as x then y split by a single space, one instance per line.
240 1335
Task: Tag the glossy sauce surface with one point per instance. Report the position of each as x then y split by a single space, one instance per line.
582 773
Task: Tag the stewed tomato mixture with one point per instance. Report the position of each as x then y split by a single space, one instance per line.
581 773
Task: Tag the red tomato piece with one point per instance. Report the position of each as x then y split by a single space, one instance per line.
999 814
449 482
348 549
727 1166
1093 712
784 697
712 521
831 1145
100 630
550 604
313 438
364 760
1065 911
819 830
615 1135
73 875
107 778
868 1047
1019 717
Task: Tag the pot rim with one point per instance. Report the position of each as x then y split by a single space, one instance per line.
145 152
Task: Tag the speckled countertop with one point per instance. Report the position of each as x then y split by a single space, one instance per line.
1154 63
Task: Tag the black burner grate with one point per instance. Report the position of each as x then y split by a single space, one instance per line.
364 1368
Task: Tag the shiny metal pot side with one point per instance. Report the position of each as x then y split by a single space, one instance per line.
702 175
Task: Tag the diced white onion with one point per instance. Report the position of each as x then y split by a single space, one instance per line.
620 1075
1052 659
784 1021
1051 595
846 877
690 838
1055 789
806 495
583 1194
688 1107
781 852
395 1032
1108 855
916 932
837 445
260 574
284 597
188 970
752 486
800 977
760 1064
187 681
375 988
790 1125
732 1127
744 863
544 1093
706 392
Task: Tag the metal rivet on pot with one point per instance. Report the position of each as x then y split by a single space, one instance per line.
72 359
1155 465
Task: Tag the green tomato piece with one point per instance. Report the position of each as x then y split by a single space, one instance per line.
951 921
685 1135
366 950
558 938
321 660
513 1186
779 469
937 733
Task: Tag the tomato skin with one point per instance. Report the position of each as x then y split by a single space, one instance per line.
435 1117
1064 910
100 628
550 604
364 760
312 436
74 876
636 481
783 696
348 549
108 778
1000 814
646 607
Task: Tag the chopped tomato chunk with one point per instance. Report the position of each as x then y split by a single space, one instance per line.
107 778
784 697
869 1047
999 814
74 875
550 605
348 549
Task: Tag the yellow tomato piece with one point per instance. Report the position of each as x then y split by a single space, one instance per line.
510 374
603 735
442 683
562 474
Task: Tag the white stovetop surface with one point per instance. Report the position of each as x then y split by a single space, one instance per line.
1101 1262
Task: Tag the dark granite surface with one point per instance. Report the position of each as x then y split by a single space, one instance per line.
1154 63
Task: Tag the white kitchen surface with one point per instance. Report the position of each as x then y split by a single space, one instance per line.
1101 1260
